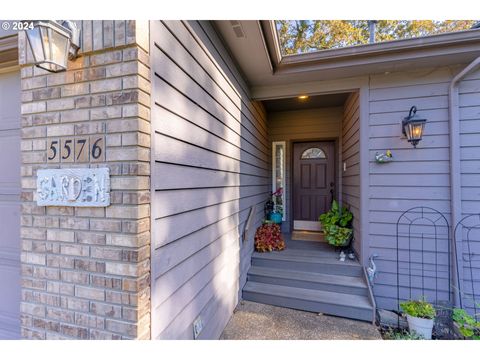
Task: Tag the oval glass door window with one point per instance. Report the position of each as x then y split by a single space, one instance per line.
314 153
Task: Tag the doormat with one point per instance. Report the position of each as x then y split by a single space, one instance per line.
307 235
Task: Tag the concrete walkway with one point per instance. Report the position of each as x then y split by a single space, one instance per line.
253 321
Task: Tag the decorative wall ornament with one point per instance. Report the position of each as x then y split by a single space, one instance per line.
372 269
383 157
73 187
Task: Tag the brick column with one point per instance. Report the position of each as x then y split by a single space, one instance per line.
86 271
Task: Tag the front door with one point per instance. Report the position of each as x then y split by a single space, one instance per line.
313 182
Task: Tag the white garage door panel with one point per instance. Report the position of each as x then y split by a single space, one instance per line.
9 179
9 227
10 205
10 279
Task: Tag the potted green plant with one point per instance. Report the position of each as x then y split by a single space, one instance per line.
420 316
466 324
337 225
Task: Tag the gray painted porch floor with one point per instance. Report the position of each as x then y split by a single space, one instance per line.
254 321
316 248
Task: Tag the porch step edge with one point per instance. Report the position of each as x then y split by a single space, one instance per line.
356 301
307 253
344 280
310 258
338 304
315 265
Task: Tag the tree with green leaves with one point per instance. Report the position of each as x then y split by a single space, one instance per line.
299 36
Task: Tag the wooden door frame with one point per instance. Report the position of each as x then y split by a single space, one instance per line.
336 152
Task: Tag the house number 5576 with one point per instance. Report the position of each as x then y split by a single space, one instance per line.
76 149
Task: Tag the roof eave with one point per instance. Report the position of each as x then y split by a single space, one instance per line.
360 51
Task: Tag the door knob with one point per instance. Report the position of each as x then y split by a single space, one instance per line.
332 184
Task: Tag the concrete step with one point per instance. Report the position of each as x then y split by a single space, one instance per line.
345 305
309 280
307 262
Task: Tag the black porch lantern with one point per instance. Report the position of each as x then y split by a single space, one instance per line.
51 44
412 127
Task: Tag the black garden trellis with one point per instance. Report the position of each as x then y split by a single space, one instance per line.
467 238
423 257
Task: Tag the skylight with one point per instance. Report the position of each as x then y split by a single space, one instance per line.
304 36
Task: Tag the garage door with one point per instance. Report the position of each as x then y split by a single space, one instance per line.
10 205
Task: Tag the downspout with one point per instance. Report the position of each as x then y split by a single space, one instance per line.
455 177
372 30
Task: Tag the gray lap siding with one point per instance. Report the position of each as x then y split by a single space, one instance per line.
469 109
416 177
210 165
351 157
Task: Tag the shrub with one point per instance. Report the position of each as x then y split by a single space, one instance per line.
391 334
336 225
419 308
467 325
268 237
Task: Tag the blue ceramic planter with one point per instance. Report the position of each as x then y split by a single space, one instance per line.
276 217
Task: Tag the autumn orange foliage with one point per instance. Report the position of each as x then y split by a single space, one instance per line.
268 237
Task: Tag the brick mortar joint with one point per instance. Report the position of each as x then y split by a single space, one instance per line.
139 117
92 230
89 93
74 297
63 335
138 263
75 312
89 330
99 52
113 48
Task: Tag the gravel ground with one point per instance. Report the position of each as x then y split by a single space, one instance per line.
254 321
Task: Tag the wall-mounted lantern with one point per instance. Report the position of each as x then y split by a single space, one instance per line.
52 43
412 127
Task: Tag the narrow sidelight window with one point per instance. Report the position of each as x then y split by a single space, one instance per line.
278 176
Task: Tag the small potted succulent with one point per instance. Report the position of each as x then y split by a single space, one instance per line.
420 316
